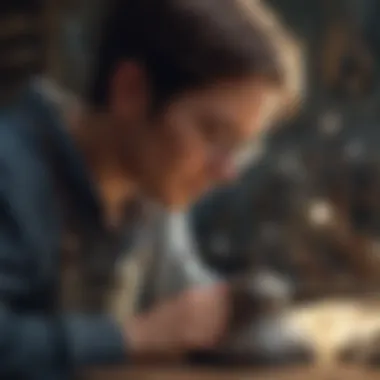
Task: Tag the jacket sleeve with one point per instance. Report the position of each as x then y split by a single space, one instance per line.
37 343
30 343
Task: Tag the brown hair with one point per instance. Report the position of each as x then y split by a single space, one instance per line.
186 43
22 49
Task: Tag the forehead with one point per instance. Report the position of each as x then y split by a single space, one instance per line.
239 103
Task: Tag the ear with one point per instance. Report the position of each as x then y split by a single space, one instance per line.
128 92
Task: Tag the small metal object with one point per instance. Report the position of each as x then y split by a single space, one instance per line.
272 286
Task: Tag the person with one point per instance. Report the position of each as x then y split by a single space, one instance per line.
178 90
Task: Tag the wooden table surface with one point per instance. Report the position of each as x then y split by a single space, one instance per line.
186 373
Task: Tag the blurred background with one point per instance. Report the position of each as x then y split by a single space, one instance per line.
309 202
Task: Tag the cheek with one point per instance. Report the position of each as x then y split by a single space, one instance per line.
188 169
190 159
195 169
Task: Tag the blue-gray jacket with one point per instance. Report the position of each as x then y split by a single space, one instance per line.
37 342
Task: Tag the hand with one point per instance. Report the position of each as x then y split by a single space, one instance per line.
196 319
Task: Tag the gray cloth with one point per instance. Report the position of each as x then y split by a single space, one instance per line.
175 264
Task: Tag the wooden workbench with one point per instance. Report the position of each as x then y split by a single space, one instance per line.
187 373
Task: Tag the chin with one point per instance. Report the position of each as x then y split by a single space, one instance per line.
176 200
163 201
176 203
